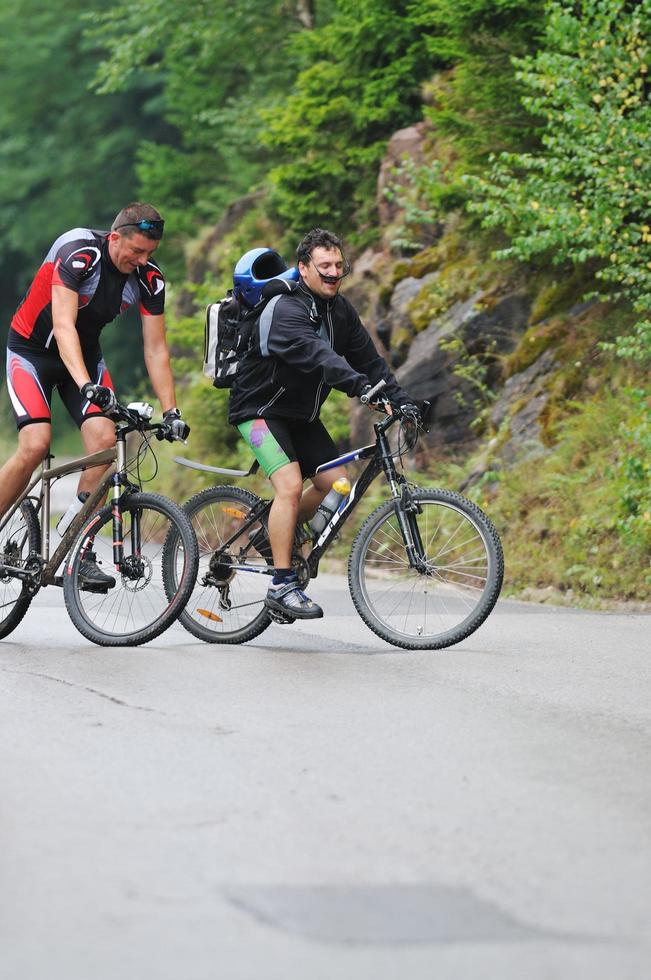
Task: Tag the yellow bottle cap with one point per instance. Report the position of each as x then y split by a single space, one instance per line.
342 485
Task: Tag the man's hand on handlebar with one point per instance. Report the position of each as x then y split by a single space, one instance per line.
372 397
99 395
179 430
411 413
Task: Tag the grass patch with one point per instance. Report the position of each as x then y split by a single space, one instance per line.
579 519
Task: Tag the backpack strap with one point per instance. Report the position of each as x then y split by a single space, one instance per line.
266 316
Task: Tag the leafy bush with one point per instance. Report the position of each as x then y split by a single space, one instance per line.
579 517
635 470
584 196
360 81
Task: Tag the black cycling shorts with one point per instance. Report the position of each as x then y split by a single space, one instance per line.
33 374
276 442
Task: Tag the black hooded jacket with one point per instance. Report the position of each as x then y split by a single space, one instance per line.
303 346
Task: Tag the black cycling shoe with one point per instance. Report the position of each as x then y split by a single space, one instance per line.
91 576
290 600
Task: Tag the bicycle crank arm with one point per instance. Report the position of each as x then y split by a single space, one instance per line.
250 568
14 572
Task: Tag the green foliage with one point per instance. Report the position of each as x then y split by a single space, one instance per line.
474 108
219 63
359 82
472 368
478 103
66 155
579 518
635 470
417 193
584 196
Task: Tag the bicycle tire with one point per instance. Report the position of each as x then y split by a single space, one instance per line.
138 608
15 600
465 563
215 513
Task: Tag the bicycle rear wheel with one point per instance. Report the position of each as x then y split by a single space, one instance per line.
20 537
227 604
137 607
451 596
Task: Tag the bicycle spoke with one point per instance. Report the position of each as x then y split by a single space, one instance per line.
137 606
18 539
227 603
448 594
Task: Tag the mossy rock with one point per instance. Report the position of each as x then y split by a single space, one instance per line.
533 343
431 301
429 260
401 338
559 293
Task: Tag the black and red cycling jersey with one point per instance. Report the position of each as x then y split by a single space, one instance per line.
79 259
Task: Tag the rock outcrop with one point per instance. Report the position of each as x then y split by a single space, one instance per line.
476 331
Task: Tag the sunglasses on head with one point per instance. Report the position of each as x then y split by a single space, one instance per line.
145 224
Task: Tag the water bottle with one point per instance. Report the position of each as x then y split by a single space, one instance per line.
330 504
72 511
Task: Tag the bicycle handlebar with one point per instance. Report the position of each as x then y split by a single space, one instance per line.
137 415
367 397
396 415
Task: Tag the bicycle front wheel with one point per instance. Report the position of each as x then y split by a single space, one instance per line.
19 538
132 606
450 595
227 604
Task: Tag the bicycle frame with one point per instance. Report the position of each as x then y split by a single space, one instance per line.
115 478
380 459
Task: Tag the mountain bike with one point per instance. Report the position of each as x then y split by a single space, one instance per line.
126 536
424 572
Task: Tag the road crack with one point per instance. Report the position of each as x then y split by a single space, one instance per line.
83 687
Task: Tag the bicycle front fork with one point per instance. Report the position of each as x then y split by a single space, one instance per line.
407 510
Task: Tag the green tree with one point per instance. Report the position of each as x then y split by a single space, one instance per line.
478 102
360 80
219 63
473 104
67 156
585 195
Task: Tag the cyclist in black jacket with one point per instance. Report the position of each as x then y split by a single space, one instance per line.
305 343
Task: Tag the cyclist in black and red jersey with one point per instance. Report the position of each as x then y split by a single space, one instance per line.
87 278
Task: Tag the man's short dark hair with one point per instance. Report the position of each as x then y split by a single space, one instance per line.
317 238
127 221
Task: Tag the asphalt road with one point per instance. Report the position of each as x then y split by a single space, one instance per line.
318 805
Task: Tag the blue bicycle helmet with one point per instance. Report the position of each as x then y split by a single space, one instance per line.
254 270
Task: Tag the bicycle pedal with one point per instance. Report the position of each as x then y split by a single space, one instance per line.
280 618
92 587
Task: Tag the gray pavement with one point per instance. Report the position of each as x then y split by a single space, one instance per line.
317 804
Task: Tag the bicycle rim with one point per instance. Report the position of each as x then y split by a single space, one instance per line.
227 602
457 591
137 607
17 539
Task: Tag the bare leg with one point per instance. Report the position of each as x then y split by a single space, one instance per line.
284 595
33 445
288 484
321 485
97 433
